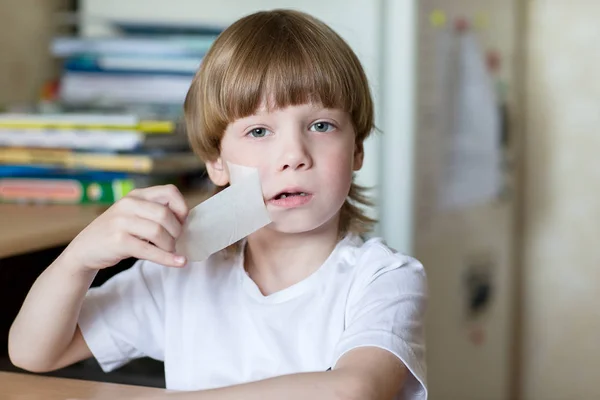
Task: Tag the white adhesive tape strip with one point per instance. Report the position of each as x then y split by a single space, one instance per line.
226 217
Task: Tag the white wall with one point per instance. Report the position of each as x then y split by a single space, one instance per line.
398 111
562 261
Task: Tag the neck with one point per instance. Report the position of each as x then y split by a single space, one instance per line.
276 260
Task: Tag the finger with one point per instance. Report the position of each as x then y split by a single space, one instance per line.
145 251
167 195
160 214
151 231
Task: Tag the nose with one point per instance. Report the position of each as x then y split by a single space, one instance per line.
295 154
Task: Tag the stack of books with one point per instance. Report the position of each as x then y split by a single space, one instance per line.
115 121
88 158
143 64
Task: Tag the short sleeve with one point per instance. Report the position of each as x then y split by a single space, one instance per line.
123 319
385 309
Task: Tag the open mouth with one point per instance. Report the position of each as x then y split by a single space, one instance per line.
285 195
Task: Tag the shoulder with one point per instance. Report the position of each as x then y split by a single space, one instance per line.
373 259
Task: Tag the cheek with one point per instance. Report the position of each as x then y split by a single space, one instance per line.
237 152
337 167
339 156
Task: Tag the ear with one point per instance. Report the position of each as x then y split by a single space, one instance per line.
217 172
359 156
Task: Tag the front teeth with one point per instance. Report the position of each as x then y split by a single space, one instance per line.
284 196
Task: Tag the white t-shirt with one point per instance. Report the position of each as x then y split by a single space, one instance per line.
212 326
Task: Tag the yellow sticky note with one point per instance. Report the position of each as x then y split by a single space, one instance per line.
482 20
437 18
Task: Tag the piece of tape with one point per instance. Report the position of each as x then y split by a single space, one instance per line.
226 217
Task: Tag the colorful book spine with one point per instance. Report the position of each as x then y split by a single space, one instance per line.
127 162
63 191
41 172
72 160
133 65
160 29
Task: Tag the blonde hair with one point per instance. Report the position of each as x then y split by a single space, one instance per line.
288 58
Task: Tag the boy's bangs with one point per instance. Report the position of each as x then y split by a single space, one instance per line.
281 73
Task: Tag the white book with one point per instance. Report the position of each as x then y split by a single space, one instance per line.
16 119
68 46
79 139
84 88
187 65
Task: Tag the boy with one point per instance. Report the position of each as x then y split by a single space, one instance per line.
302 308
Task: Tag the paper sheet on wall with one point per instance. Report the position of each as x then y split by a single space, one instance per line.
471 160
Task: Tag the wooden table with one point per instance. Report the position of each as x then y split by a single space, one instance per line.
17 386
27 228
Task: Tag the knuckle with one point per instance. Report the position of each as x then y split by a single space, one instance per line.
162 214
133 193
171 188
125 203
173 191
120 236
156 232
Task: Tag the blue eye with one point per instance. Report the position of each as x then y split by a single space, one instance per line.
322 127
258 132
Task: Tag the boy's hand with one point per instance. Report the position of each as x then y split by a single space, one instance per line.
145 224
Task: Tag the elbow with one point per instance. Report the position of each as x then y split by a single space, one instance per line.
23 358
353 386
27 363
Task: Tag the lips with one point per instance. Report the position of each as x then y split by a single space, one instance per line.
291 198
290 192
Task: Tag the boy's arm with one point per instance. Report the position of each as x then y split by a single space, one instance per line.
366 373
144 224
44 336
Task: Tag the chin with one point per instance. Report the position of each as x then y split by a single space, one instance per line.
301 224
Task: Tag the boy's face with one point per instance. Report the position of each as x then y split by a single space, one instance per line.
305 156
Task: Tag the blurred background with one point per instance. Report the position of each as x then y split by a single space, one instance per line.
485 168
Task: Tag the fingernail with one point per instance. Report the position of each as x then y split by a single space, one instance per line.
180 260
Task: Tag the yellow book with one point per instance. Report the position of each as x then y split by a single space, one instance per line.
140 163
85 121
